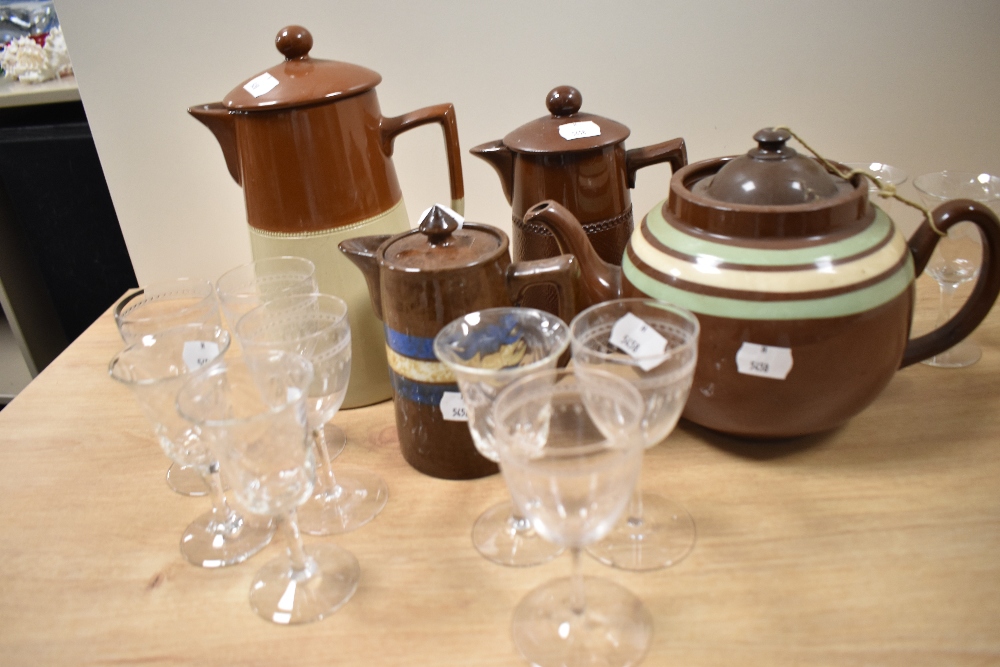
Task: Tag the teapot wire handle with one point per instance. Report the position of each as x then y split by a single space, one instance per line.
885 189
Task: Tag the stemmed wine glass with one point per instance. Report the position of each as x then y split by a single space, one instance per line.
316 327
256 424
958 255
654 346
570 452
160 306
487 350
245 287
154 369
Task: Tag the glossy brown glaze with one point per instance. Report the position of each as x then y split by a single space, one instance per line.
420 281
591 176
841 361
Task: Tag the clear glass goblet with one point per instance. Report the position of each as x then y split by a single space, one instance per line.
487 350
154 369
160 306
256 424
316 327
242 289
654 346
958 255
570 452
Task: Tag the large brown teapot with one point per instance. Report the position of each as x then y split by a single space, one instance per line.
420 281
579 160
803 288
309 144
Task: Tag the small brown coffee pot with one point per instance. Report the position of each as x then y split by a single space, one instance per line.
579 160
420 281
309 144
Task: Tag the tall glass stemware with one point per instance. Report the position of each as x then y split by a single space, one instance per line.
570 452
487 350
316 327
657 532
257 425
957 257
154 369
159 306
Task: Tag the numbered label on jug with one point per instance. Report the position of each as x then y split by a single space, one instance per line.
766 361
453 407
636 338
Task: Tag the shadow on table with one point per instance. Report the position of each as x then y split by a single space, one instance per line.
762 449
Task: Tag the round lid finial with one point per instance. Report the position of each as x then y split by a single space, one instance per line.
293 41
564 101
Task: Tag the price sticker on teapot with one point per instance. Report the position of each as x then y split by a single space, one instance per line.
261 85
766 361
579 130
453 407
636 338
197 353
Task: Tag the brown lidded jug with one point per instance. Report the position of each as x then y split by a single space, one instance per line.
579 160
309 144
420 281
803 288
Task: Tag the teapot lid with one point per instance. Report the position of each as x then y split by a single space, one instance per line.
772 174
443 241
566 129
300 79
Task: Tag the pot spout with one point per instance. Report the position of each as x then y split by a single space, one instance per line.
600 281
501 159
362 251
217 118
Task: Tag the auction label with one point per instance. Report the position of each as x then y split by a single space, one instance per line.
197 353
260 85
579 130
453 407
766 361
636 338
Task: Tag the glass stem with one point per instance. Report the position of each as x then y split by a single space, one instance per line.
578 598
220 508
324 454
635 504
293 541
947 293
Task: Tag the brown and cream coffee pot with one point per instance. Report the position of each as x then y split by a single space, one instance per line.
309 144
579 160
804 289
420 281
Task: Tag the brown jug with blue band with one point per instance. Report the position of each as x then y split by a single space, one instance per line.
421 280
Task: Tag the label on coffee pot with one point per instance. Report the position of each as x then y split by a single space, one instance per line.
453 407
637 339
766 361
260 85
197 353
579 130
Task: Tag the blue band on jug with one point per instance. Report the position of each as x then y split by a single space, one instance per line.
415 347
419 392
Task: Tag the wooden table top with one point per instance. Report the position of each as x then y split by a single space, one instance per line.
878 543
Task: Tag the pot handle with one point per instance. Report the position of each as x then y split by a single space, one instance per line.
987 287
673 151
439 113
561 272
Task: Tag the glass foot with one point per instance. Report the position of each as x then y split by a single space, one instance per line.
508 540
664 536
283 595
335 440
210 543
615 628
357 499
186 480
964 354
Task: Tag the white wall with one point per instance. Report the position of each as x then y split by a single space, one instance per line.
911 83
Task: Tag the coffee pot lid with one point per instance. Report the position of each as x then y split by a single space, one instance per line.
772 174
300 79
443 241
566 129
